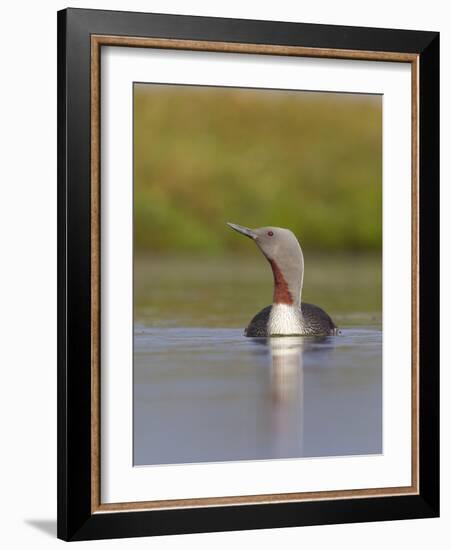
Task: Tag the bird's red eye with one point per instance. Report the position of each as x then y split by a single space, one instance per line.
270 233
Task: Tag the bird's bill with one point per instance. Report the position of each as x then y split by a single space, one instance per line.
243 230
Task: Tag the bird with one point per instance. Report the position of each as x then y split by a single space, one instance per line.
287 316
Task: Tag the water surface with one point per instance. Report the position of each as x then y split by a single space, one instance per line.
212 395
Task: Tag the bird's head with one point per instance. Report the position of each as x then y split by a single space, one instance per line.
281 248
276 243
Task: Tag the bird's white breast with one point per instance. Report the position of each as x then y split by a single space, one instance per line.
285 320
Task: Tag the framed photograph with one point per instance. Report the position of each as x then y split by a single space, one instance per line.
248 274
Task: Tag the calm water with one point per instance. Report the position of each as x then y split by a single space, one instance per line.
204 392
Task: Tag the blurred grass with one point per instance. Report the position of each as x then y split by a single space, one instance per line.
203 156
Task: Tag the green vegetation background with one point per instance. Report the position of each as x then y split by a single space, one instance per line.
308 161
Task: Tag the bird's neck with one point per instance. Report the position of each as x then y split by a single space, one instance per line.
286 317
288 279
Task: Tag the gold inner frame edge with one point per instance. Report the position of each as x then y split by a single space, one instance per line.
97 41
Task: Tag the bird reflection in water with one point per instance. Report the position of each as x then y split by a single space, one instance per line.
287 389
287 392
286 368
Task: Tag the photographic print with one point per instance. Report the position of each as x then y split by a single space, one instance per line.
257 237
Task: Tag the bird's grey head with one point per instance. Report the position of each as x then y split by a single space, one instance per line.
282 249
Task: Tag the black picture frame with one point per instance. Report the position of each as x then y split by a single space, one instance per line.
76 521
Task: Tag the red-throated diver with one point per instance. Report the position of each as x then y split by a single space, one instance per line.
286 316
